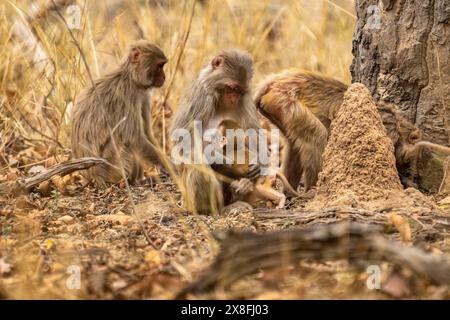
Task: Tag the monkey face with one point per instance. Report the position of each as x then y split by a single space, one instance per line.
147 63
157 75
415 136
229 74
231 93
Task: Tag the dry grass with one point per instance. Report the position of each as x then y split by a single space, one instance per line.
279 34
314 35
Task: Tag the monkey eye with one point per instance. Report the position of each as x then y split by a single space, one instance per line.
236 89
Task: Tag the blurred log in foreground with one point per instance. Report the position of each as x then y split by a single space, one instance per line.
243 254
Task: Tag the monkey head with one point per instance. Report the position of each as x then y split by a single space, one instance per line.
415 136
147 62
408 132
228 75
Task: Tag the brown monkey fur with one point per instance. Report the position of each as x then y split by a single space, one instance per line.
294 101
111 119
404 136
262 184
301 105
408 143
221 91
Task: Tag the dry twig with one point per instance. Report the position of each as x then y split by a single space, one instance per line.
25 185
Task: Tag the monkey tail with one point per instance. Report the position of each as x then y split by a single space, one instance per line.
287 185
434 146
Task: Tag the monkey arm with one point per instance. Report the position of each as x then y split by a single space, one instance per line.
147 151
242 186
433 146
147 120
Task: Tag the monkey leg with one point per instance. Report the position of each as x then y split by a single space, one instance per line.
102 175
264 192
119 164
204 192
137 173
408 182
311 158
293 168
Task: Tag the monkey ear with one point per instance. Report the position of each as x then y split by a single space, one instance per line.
217 61
135 55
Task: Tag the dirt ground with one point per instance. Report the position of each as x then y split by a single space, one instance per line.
115 251
139 243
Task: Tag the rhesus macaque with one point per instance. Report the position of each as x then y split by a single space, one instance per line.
220 92
404 136
111 119
302 106
408 144
262 184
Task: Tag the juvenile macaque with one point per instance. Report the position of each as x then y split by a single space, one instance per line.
220 92
262 184
408 144
111 119
302 106
404 136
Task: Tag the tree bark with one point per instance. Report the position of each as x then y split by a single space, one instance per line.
401 52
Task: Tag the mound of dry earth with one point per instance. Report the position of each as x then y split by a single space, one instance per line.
359 163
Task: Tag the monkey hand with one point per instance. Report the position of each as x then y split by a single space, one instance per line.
242 187
253 172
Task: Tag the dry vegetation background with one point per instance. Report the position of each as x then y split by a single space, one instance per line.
111 238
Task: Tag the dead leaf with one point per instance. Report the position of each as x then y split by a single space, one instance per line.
61 183
36 169
119 284
118 218
5 268
153 258
49 244
45 189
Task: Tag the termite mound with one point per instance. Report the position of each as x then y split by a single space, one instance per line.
358 163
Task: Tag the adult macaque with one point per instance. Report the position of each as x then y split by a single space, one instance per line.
111 119
220 92
302 106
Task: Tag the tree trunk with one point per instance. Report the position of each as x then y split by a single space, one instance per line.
401 52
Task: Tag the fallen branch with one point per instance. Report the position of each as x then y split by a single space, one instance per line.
22 186
246 253
433 221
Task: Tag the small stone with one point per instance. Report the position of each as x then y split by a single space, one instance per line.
66 219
